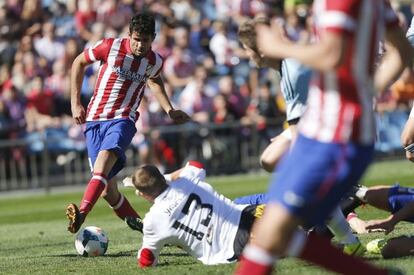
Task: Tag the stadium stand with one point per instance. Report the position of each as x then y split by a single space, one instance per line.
235 107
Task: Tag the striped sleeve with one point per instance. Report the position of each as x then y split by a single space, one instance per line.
338 16
391 18
99 51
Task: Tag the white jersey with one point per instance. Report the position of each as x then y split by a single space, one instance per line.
192 215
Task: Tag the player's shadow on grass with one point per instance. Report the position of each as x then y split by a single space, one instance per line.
173 259
115 255
122 254
175 254
40 245
66 255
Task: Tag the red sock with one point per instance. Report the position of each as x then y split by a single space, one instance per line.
255 261
124 209
92 192
320 251
247 267
195 164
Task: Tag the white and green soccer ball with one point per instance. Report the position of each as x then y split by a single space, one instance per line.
91 241
376 246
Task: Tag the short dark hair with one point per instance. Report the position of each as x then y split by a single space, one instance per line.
247 31
142 23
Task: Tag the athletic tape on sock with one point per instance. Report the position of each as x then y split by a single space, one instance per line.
258 255
100 178
120 202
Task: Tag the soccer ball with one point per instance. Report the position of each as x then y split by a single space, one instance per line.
91 241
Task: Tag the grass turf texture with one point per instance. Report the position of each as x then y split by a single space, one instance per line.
34 240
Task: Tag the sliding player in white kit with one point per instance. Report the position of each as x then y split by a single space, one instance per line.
189 213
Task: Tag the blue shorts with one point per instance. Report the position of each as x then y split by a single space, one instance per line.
311 180
252 199
400 196
112 135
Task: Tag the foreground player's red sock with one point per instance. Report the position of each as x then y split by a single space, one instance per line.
320 251
255 261
195 164
92 192
124 209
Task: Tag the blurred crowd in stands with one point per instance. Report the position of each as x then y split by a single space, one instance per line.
206 72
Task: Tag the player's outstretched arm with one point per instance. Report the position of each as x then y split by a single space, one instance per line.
196 168
76 78
157 87
389 223
325 55
398 56
153 241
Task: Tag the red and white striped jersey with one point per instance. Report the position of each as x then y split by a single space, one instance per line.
339 107
121 80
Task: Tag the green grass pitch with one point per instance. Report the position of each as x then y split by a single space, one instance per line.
34 240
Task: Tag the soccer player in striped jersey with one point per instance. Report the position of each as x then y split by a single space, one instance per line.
396 199
336 136
126 66
294 86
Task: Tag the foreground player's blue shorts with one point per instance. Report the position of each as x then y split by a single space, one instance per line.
400 196
252 199
311 180
113 135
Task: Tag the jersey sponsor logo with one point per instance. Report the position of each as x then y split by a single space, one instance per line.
127 74
171 207
149 69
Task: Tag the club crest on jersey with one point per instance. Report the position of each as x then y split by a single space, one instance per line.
149 68
127 74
